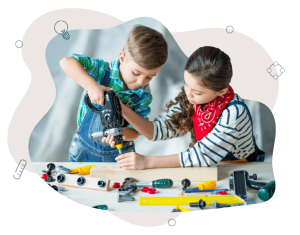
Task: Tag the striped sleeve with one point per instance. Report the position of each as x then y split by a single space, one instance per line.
161 131
218 143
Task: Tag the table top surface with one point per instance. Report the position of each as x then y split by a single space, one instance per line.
92 198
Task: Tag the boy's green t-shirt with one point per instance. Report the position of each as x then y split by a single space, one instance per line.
96 68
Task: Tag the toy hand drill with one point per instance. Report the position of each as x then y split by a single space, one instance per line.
111 118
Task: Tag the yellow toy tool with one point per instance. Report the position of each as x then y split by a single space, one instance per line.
207 185
185 201
82 170
180 209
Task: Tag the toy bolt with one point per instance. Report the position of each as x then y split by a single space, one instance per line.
185 183
254 176
50 179
125 198
218 205
201 204
47 176
57 188
50 167
175 210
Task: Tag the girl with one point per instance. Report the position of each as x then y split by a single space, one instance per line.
218 119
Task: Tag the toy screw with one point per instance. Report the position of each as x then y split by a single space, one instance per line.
50 167
218 205
125 198
254 176
201 204
185 183
175 210
57 188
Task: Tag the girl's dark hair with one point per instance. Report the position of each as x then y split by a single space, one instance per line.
212 67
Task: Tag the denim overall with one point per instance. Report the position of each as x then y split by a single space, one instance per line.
258 155
83 149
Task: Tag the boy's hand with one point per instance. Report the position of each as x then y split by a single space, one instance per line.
132 161
110 140
96 93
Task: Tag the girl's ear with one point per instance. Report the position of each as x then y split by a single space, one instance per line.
222 92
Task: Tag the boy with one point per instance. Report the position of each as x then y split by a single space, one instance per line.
129 75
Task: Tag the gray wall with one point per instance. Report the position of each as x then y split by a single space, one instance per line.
50 139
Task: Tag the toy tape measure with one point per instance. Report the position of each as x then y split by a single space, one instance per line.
85 182
185 201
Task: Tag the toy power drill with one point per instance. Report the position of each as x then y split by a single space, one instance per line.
239 181
111 118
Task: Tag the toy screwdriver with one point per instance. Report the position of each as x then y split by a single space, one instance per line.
266 192
208 185
80 170
162 183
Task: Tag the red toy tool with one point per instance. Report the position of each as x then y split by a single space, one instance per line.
148 190
116 185
222 193
47 176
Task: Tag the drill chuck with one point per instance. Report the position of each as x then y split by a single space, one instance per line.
117 131
96 135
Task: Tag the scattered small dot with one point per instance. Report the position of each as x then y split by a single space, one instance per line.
19 44
229 29
171 222
275 77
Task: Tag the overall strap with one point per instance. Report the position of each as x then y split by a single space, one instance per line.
249 114
105 82
106 79
135 98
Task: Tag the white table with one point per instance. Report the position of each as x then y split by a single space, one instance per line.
92 198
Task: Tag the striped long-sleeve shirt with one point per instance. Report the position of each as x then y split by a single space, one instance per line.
232 133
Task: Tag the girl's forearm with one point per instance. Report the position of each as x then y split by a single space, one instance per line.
129 134
167 161
139 123
74 70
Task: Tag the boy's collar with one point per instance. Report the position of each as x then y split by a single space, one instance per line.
115 74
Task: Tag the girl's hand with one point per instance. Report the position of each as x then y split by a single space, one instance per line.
132 161
110 140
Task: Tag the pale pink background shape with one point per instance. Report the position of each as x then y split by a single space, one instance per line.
250 79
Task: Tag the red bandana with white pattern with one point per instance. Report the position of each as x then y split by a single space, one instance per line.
205 116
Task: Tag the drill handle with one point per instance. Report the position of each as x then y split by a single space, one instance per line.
89 104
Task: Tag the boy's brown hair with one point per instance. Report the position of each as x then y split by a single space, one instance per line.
146 47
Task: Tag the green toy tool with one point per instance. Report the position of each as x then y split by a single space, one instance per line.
162 183
101 207
266 192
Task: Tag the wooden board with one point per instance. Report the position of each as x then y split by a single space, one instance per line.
90 182
194 174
